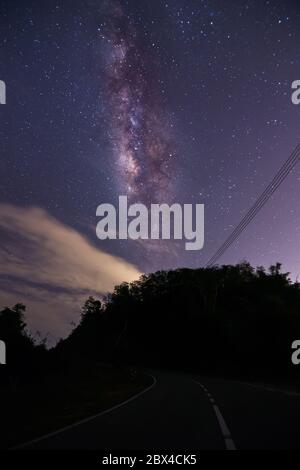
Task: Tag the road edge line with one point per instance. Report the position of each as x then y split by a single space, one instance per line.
85 420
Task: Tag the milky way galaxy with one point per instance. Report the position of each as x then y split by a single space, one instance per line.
140 138
162 101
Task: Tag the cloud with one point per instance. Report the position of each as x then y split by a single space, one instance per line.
52 267
53 316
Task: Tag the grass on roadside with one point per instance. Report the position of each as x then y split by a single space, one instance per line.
30 411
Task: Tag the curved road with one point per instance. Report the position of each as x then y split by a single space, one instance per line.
182 411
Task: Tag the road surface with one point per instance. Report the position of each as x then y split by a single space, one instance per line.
183 411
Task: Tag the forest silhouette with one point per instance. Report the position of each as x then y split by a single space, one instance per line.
227 319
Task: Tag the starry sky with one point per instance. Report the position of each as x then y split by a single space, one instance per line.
163 101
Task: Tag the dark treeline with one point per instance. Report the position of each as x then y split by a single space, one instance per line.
231 319
26 357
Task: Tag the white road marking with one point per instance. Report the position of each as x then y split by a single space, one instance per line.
229 443
222 424
86 420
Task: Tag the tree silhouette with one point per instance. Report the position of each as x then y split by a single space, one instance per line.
25 359
223 319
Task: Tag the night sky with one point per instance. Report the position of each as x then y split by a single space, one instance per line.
163 101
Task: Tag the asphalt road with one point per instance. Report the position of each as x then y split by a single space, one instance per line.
191 413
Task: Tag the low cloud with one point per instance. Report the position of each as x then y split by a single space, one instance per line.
52 268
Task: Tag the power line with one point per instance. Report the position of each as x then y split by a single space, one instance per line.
257 206
285 169
271 188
